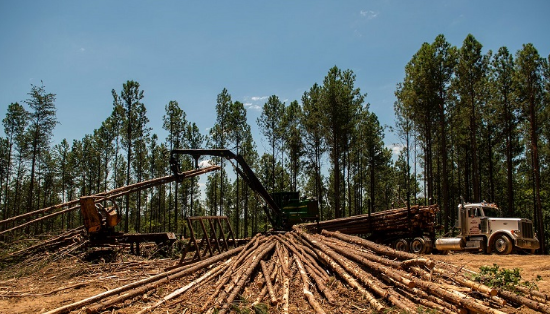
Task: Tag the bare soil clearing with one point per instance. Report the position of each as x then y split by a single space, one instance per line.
530 266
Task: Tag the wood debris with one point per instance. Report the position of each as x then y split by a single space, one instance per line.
329 272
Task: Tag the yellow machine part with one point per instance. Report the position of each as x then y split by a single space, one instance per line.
92 219
112 217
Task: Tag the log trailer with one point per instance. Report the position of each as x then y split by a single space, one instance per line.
482 230
283 209
413 229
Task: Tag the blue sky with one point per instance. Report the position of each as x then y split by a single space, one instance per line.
189 51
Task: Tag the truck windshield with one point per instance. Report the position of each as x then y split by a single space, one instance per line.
491 212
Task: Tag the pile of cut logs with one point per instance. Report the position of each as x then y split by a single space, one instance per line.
276 268
55 248
418 217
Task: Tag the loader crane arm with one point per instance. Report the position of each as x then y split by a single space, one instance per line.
273 212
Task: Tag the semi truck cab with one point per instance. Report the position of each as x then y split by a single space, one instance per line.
481 228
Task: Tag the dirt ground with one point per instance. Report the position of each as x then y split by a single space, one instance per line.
530 266
38 288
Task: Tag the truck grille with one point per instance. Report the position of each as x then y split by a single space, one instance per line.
526 228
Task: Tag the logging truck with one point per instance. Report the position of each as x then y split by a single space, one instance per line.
414 229
481 230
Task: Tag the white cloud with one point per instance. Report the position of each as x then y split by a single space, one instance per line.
369 14
254 102
396 149
250 105
82 49
205 163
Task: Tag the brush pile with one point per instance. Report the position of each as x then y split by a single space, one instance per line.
301 272
52 249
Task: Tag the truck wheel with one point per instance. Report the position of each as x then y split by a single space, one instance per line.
418 246
503 245
401 245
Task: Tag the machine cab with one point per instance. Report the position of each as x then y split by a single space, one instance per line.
296 210
473 218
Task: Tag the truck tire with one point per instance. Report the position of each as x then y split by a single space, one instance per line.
401 245
418 246
503 245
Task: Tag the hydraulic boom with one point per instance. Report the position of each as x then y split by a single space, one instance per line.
283 208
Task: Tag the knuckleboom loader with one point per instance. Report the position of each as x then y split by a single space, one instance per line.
481 229
283 209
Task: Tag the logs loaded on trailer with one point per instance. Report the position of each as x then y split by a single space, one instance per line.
405 229
302 272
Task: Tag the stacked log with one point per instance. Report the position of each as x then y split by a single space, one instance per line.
385 222
274 270
51 249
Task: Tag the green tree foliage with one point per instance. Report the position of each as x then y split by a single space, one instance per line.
271 126
505 118
218 139
42 122
340 104
478 119
175 123
529 84
128 103
314 143
422 108
470 88
14 124
471 123
293 140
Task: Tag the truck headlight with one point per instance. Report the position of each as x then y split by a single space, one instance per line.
517 233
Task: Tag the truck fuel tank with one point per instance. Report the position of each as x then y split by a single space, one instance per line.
450 244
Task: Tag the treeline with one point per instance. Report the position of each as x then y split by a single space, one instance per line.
478 124
332 124
472 125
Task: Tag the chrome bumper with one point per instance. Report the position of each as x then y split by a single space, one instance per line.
528 243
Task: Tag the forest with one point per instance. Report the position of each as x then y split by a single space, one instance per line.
472 124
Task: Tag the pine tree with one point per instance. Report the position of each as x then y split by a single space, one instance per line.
270 123
529 90
315 144
506 117
340 103
129 99
14 124
43 120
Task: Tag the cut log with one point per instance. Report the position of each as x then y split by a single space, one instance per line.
395 274
268 283
378 248
183 289
537 306
162 277
344 275
246 276
466 282
309 296
371 282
